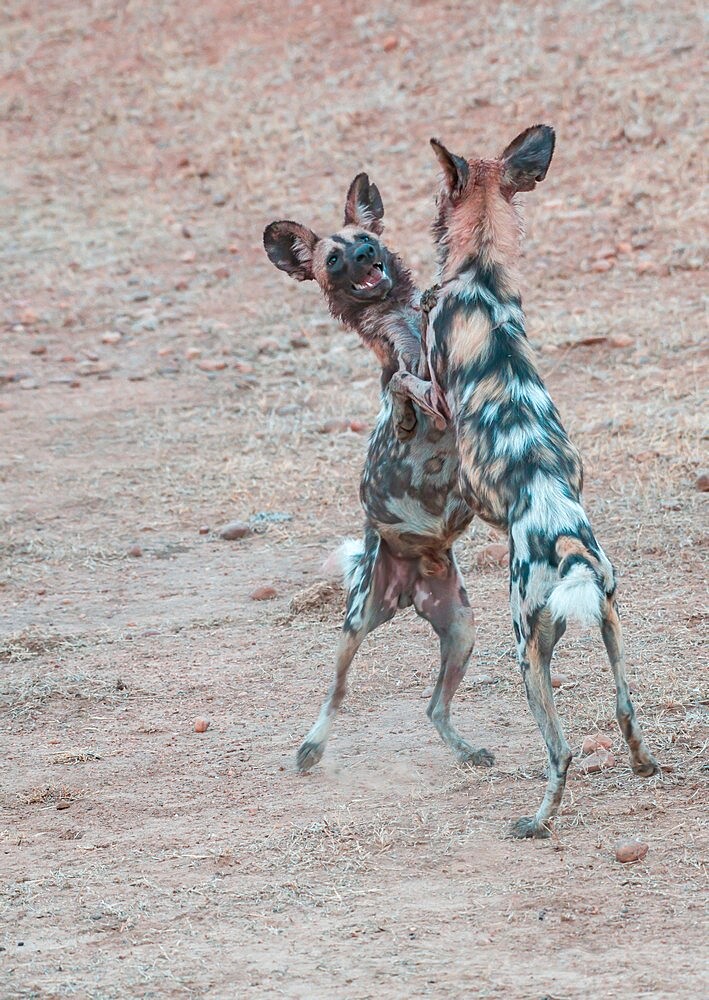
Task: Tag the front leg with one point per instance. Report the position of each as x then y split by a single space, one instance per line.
407 386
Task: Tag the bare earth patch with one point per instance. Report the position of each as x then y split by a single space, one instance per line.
159 379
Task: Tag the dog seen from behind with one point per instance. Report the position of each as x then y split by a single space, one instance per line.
518 469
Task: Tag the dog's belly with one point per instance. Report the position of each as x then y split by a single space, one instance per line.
409 489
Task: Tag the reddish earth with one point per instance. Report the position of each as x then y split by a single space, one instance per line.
158 379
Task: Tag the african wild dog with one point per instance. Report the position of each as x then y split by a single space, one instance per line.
518 469
409 488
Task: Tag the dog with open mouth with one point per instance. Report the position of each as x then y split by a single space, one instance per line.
409 487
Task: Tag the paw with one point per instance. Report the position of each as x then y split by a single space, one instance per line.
308 755
646 768
529 827
471 757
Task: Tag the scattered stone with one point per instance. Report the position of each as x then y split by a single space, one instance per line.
427 692
358 426
28 316
494 554
604 251
204 529
211 365
647 267
112 337
220 199
38 349
299 342
390 43
192 353
234 530
182 285
702 483
628 851
621 340
601 760
201 725
557 680
68 359
140 296
29 383
222 273
263 594
638 131
186 232
595 742
233 248
85 368
189 257
624 247
603 264
63 804
333 426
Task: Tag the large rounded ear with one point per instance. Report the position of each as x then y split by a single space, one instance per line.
527 158
364 205
455 168
290 247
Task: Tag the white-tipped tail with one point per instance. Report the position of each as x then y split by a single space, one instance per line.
577 595
341 564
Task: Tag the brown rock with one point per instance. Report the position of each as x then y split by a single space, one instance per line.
135 551
601 760
233 248
595 742
557 680
182 285
263 594
201 725
192 353
211 365
494 554
333 426
358 426
603 264
85 368
299 342
628 851
38 349
204 529
702 483
621 340
390 43
63 804
624 247
234 530
222 273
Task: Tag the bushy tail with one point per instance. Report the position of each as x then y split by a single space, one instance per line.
583 584
342 563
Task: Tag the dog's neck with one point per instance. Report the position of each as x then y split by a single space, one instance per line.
390 327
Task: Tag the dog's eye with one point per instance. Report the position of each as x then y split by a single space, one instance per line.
361 236
332 260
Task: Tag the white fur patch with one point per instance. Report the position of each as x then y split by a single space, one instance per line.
342 563
577 596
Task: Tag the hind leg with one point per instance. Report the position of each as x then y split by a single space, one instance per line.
443 602
644 763
535 651
370 601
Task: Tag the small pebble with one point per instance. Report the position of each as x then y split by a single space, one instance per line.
135 551
596 742
222 273
38 349
557 680
601 760
702 483
630 850
427 692
358 426
112 337
235 529
211 365
263 594
621 340
201 725
189 257
192 353
63 804
333 426
299 342
219 200
604 264
204 529
390 43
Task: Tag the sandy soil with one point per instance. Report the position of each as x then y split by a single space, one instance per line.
145 147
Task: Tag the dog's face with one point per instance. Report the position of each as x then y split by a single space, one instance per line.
351 265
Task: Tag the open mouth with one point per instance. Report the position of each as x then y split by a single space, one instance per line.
373 277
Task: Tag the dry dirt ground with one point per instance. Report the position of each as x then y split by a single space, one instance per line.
145 146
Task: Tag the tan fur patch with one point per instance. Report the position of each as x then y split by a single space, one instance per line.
567 545
467 336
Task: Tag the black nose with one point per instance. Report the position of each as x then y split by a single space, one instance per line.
364 253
